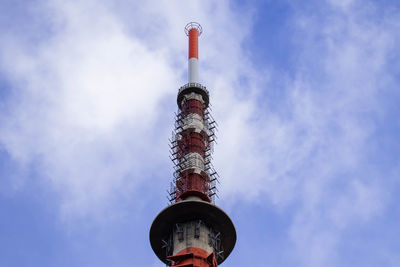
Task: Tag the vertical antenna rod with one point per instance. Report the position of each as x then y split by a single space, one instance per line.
193 30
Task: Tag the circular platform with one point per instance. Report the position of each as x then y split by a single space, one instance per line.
193 25
193 88
185 211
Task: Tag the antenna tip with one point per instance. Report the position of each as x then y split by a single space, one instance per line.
193 25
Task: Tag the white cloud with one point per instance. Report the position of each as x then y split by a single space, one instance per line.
84 100
89 109
313 154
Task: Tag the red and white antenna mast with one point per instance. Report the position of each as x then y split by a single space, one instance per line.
192 231
193 30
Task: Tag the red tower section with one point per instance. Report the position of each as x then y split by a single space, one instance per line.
191 147
192 231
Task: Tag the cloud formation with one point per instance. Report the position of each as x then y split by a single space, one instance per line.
88 106
311 152
93 98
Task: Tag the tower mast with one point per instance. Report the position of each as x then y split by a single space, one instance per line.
192 231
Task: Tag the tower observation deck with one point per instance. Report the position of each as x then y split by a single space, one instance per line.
192 231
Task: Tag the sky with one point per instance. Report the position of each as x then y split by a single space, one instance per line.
305 94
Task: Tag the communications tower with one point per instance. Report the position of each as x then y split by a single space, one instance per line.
192 231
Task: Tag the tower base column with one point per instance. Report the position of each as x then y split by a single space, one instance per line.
193 257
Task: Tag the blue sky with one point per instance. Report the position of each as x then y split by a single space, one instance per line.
305 93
